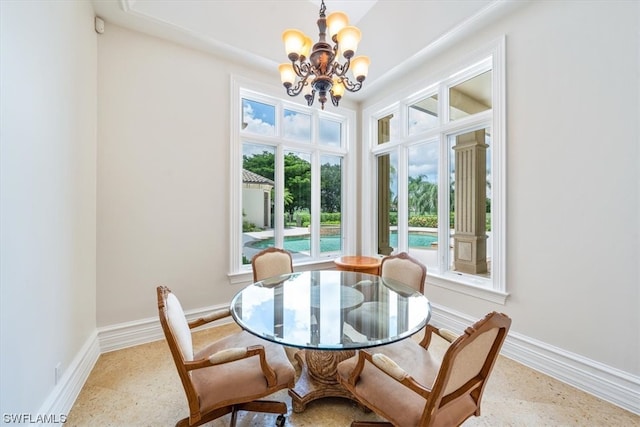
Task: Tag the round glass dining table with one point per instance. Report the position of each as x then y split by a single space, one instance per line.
320 313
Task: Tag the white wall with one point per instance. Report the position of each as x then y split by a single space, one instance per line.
48 194
163 175
572 176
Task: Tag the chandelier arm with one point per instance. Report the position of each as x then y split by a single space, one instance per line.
302 69
335 99
295 90
341 69
310 97
314 70
351 86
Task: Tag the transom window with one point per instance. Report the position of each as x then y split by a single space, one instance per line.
290 180
437 169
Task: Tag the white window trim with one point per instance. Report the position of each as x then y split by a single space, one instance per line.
466 284
259 92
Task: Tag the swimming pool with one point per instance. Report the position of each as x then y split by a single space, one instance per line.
333 243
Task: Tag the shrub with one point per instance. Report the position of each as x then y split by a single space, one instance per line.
249 226
430 221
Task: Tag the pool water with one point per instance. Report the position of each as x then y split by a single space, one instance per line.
333 243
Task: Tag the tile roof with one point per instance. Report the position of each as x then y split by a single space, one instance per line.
249 177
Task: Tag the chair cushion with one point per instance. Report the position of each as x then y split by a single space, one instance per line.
271 264
374 384
404 271
179 327
470 360
241 380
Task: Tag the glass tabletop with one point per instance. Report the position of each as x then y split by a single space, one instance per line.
327 309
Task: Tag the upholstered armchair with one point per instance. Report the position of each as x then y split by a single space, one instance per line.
228 375
271 262
410 387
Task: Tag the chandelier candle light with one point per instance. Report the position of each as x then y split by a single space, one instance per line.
318 70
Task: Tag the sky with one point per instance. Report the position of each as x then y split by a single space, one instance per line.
260 119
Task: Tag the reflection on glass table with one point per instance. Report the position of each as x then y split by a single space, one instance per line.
308 310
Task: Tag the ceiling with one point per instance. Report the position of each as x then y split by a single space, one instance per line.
394 32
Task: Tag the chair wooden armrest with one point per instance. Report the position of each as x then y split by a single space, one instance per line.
215 315
389 367
441 332
231 355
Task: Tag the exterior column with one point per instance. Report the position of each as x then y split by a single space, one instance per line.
384 198
470 239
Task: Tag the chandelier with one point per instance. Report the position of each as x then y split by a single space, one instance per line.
317 70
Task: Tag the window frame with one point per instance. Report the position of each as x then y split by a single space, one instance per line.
491 57
244 88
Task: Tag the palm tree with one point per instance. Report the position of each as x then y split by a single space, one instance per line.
423 195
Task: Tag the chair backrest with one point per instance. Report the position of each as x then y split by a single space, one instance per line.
178 334
271 262
405 269
465 368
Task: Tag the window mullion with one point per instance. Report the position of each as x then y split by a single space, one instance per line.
315 204
278 221
403 200
444 204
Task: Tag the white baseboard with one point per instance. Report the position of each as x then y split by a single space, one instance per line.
64 394
129 334
607 383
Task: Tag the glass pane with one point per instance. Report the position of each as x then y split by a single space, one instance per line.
470 203
423 203
470 97
387 203
388 128
258 165
330 204
330 133
423 115
297 204
297 126
258 118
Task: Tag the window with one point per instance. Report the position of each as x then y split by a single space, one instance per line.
290 174
437 169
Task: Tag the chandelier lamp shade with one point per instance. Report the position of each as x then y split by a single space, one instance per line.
316 68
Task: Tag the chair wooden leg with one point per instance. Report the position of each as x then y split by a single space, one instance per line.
207 417
234 417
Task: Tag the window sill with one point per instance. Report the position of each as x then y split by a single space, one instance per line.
474 290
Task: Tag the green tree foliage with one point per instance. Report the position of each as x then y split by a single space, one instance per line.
297 181
262 164
330 188
423 196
